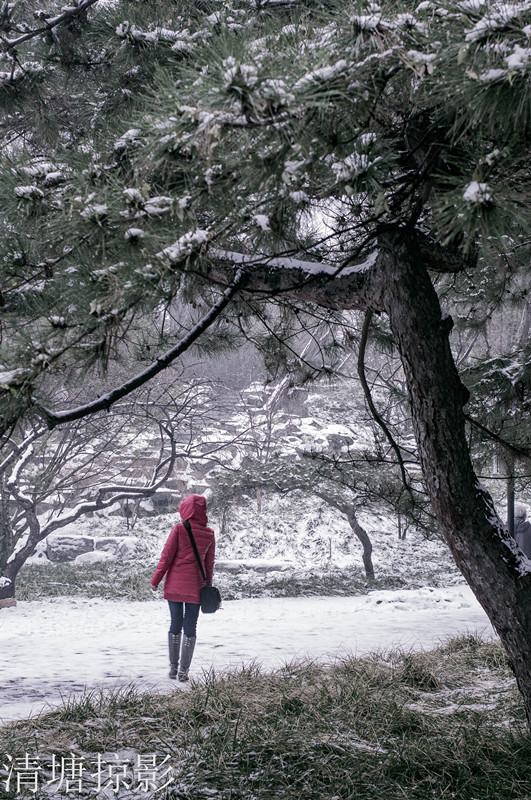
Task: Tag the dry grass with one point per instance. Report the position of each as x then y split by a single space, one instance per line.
442 724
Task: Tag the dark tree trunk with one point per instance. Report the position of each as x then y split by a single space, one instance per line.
6 528
349 511
402 528
17 561
7 587
366 543
482 548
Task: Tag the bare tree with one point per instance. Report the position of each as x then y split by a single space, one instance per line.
49 479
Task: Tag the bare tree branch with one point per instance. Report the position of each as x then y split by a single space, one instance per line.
370 402
106 401
102 498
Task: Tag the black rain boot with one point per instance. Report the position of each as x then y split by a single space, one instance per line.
186 657
174 645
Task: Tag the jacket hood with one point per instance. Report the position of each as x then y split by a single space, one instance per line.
194 507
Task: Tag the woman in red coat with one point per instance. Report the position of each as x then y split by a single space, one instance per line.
183 582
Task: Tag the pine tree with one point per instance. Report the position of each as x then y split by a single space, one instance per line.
356 156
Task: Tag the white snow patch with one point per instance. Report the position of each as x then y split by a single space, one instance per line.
321 75
134 233
95 211
519 58
160 204
62 646
30 192
477 193
11 376
184 246
94 557
262 220
493 75
299 197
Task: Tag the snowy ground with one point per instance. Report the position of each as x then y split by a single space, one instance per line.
63 646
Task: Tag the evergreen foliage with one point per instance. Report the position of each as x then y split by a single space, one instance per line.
141 138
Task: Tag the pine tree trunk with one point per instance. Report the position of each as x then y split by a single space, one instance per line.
482 548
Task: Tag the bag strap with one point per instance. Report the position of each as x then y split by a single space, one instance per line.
188 527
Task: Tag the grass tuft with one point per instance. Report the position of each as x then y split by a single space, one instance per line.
441 724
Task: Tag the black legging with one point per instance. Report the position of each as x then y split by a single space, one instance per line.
185 618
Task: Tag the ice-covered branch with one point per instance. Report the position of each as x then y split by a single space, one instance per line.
17 449
12 483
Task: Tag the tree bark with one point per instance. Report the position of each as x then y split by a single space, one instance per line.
366 543
483 550
397 282
6 529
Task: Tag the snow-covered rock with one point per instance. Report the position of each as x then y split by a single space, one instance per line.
94 557
225 565
129 546
65 547
39 557
252 564
107 543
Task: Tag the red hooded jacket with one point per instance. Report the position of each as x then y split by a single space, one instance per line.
183 582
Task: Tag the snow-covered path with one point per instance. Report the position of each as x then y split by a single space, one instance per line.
54 648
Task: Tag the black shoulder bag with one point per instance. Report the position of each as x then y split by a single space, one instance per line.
210 596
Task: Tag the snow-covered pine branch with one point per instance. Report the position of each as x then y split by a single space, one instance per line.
50 22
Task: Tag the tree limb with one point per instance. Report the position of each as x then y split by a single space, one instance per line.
518 451
50 22
106 401
370 402
338 287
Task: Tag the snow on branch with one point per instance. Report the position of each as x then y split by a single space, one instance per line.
12 482
17 449
67 12
342 286
307 267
